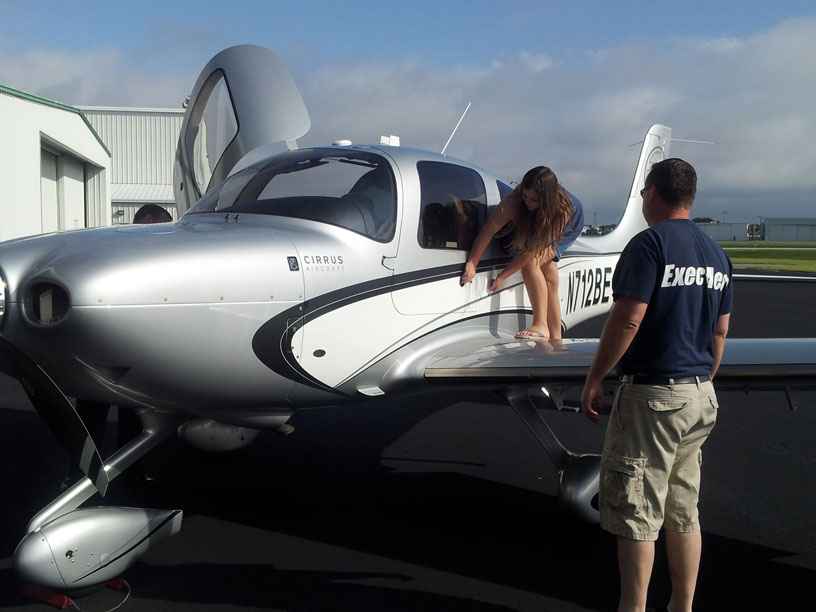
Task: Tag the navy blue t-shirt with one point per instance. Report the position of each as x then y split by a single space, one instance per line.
685 277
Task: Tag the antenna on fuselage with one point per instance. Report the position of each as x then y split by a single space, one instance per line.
456 128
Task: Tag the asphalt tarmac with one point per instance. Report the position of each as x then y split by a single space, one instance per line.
441 503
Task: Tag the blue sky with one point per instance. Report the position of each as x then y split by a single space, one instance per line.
567 84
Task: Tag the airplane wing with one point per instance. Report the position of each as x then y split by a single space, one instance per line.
532 374
755 364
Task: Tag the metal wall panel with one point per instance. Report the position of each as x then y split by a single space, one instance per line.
780 229
142 143
723 232
123 212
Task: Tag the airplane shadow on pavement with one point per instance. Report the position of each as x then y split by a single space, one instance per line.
377 507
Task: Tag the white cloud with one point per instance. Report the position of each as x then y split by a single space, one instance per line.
101 77
752 96
536 61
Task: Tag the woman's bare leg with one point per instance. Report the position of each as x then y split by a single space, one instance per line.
550 272
536 286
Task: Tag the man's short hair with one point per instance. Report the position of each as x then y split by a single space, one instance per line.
675 181
152 213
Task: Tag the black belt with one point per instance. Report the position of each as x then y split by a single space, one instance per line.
642 379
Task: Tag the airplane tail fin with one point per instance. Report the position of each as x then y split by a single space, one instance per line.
655 148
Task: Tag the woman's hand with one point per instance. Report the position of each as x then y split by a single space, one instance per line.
497 284
470 272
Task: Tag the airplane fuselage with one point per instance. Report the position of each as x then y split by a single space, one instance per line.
246 315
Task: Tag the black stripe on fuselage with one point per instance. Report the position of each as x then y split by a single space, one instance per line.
272 344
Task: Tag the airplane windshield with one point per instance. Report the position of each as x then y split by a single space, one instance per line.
351 189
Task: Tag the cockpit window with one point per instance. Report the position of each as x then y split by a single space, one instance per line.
351 189
454 206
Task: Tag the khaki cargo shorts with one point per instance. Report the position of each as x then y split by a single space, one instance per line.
650 468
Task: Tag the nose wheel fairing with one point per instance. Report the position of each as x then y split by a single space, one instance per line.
88 547
68 548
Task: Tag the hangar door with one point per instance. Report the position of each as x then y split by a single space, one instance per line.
62 191
48 192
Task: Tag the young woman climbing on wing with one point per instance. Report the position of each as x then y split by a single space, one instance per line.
539 221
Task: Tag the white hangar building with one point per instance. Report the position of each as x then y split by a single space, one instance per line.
63 167
778 229
54 168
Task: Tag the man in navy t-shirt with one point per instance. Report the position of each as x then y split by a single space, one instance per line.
667 329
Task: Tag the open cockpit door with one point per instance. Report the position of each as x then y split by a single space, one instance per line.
243 100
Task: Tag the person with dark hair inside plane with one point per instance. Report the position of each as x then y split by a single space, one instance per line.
152 213
540 220
666 330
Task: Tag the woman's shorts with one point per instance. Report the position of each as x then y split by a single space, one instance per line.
561 247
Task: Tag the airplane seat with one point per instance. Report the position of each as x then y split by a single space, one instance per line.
378 189
364 205
436 224
350 211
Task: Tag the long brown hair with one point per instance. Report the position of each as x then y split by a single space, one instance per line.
536 230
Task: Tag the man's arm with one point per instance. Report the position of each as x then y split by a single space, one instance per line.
720 332
620 329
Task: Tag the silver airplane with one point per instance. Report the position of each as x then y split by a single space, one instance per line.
304 278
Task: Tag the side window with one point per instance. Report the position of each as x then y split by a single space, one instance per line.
453 205
216 128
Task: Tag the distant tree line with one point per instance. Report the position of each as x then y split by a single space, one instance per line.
598 231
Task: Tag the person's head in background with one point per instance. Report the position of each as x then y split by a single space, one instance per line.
152 213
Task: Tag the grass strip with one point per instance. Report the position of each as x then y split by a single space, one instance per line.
767 245
784 259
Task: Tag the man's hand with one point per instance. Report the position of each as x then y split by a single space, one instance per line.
592 401
619 330
470 272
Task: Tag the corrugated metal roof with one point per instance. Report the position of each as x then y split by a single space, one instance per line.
141 192
133 109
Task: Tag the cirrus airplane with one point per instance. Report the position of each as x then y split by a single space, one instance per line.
295 279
